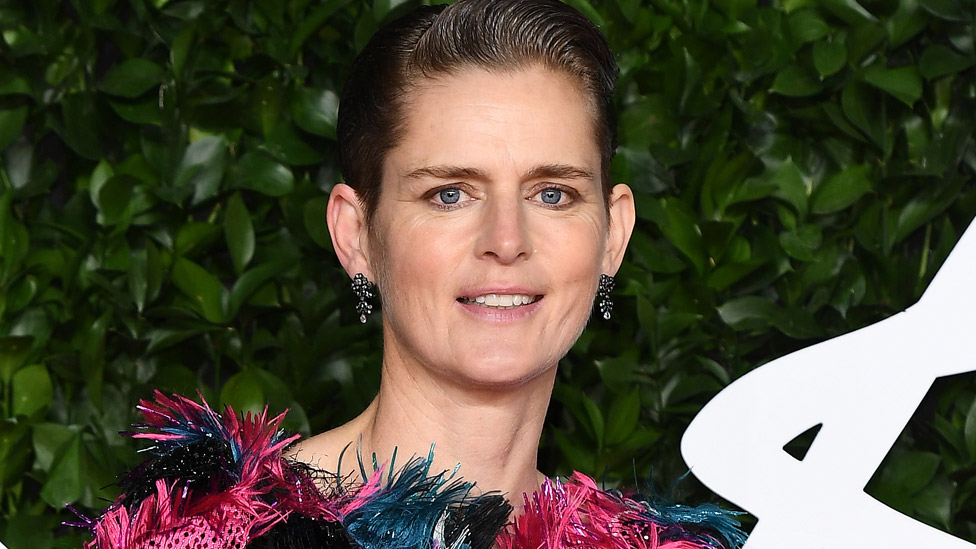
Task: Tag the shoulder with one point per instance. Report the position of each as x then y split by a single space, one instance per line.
334 450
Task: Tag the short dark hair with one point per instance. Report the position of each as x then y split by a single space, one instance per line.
495 35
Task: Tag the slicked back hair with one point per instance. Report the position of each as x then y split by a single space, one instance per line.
432 41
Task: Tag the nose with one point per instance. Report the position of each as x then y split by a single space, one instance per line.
504 234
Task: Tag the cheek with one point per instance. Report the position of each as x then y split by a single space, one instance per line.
414 260
577 250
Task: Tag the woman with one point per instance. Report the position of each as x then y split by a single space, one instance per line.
476 142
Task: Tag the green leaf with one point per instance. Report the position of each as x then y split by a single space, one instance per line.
795 81
911 471
147 111
622 420
137 279
163 338
681 230
596 422
949 10
114 199
154 271
905 23
239 232
48 441
21 294
829 57
728 274
266 103
132 78
258 172
64 482
194 238
92 356
969 430
32 390
654 255
807 26
244 392
313 215
180 49
14 241
289 147
14 452
936 502
202 167
790 185
14 351
316 111
11 123
252 280
203 288
938 60
749 312
802 242
586 8
81 124
313 20
841 190
383 8
863 108
11 84
902 83
848 10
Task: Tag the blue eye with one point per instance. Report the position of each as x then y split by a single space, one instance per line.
551 196
450 196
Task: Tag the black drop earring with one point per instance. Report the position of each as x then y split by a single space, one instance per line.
603 294
363 289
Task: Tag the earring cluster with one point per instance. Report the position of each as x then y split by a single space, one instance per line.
363 289
603 295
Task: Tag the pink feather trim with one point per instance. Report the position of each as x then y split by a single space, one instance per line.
577 513
265 488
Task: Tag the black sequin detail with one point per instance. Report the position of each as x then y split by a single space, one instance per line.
205 465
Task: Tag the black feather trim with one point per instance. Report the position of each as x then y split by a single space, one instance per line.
301 532
479 521
202 465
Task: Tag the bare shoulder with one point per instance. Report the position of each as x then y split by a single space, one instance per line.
333 450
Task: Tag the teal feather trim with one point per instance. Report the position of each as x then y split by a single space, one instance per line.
415 509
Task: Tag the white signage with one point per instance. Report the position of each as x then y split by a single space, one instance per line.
863 387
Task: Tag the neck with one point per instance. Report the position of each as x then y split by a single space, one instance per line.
493 433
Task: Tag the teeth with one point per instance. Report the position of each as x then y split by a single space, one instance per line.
501 301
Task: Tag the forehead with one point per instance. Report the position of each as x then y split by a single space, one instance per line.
493 120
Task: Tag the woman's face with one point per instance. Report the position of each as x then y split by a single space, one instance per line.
491 230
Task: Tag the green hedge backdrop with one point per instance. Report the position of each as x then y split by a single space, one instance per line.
802 168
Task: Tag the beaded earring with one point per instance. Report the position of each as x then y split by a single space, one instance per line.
603 295
363 289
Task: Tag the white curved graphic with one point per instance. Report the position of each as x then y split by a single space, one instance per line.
863 387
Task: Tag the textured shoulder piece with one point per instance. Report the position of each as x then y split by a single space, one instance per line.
577 513
217 481
210 481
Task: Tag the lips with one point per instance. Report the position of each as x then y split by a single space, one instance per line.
500 301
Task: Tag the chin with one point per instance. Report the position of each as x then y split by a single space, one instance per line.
499 374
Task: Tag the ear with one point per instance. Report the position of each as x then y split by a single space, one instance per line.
622 216
347 226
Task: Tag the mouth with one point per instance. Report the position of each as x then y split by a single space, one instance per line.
500 301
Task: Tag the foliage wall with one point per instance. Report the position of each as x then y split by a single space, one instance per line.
802 167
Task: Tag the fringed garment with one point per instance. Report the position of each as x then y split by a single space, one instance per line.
221 482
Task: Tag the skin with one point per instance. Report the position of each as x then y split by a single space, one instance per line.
465 210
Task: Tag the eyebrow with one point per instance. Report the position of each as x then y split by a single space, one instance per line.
544 171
